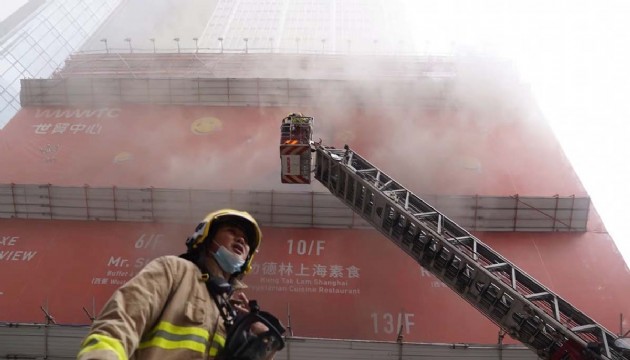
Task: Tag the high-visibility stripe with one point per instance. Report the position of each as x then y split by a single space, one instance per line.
218 339
168 336
181 330
218 343
173 345
165 336
103 342
213 351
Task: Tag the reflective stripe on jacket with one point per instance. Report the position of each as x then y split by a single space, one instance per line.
164 312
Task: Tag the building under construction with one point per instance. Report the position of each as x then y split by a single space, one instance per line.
113 154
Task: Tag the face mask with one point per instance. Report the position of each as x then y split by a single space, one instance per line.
228 261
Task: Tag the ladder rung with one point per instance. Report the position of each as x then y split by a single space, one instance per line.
585 328
385 185
397 190
538 296
459 238
425 214
496 266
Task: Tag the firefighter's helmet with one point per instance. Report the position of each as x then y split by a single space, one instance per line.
209 225
287 119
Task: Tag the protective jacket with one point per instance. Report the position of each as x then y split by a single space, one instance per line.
165 312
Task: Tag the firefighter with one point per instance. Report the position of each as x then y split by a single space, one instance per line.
184 307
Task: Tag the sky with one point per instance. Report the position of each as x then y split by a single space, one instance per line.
576 58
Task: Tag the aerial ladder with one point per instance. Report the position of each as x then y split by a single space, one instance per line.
521 306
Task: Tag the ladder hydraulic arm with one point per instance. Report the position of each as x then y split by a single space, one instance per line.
516 302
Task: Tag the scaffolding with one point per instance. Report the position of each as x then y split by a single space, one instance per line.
83 91
245 80
278 66
278 209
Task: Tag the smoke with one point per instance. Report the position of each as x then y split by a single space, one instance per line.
429 119
407 115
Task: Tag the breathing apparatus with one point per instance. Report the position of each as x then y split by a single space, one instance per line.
241 342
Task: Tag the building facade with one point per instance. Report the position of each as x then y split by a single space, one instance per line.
126 147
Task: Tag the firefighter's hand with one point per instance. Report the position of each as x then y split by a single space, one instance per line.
241 304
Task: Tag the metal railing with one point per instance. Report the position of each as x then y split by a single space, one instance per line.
45 341
276 208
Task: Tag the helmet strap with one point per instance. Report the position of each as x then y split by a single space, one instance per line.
220 291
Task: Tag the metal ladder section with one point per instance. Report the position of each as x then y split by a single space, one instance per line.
516 302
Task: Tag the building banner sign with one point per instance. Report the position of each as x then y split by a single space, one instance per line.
335 283
189 146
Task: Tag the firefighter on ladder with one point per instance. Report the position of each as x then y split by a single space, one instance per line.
292 133
191 306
